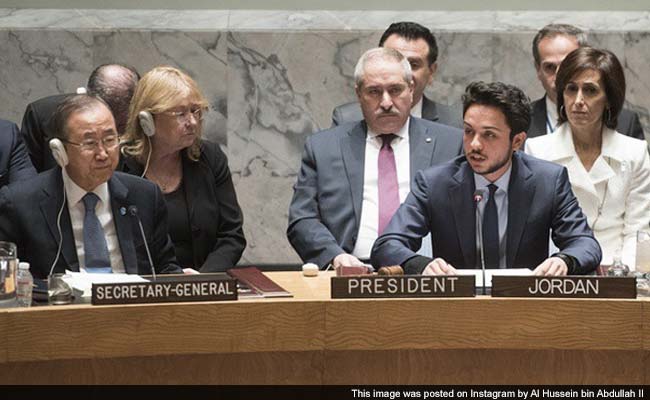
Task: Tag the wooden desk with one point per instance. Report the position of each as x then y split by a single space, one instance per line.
311 339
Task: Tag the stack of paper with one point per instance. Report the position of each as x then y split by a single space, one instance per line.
489 273
82 282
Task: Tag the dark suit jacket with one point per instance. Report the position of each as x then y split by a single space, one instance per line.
440 202
28 217
215 217
37 130
432 111
325 211
14 161
628 121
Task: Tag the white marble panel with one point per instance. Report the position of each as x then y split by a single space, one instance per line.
636 55
297 20
202 55
464 58
115 19
514 63
37 64
282 87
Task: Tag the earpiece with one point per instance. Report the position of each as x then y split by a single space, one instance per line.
58 152
146 123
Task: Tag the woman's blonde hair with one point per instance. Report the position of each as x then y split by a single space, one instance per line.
158 91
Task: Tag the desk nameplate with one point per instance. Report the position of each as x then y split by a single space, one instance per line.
564 286
164 291
383 286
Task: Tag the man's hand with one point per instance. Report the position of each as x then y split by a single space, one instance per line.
439 267
346 260
552 266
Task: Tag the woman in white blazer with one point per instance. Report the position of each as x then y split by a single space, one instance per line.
609 172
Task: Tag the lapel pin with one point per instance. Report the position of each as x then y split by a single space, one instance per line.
428 140
122 211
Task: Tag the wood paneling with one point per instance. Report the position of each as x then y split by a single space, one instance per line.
311 339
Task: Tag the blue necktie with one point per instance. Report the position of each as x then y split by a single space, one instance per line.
491 231
95 248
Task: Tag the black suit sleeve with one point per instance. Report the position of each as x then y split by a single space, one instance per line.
230 241
8 227
636 130
20 167
34 136
162 249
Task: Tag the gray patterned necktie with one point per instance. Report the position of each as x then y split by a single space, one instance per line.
95 247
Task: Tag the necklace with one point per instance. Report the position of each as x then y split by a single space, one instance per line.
167 184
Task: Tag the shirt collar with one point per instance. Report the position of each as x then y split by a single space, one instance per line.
403 131
502 183
416 110
563 146
75 193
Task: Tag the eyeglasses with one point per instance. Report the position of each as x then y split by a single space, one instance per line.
182 116
108 142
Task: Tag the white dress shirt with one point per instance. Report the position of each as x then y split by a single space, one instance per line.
501 201
416 110
370 204
77 210
614 195
551 115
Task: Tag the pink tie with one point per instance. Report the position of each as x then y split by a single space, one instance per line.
388 186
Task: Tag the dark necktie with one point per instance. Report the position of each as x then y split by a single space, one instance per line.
95 248
491 231
387 184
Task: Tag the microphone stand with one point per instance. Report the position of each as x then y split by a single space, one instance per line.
478 197
133 210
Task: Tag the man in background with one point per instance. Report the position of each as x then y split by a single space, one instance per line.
113 83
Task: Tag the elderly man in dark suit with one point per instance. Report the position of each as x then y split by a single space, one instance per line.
419 46
551 45
517 197
14 162
354 176
84 216
113 83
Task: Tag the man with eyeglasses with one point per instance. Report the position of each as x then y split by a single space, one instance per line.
551 45
85 208
114 83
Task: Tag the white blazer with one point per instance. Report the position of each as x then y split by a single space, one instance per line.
614 195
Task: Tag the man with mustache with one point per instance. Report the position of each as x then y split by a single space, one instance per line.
517 197
354 176
420 48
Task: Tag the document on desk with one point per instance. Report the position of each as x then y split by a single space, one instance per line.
489 273
83 281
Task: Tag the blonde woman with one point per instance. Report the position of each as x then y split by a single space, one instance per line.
163 143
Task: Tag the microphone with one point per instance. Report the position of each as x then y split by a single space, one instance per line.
478 198
133 211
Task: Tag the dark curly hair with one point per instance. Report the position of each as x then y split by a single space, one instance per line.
412 31
511 100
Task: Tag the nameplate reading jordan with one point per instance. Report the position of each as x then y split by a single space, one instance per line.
565 286
164 291
381 286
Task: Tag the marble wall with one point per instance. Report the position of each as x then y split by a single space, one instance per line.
274 77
